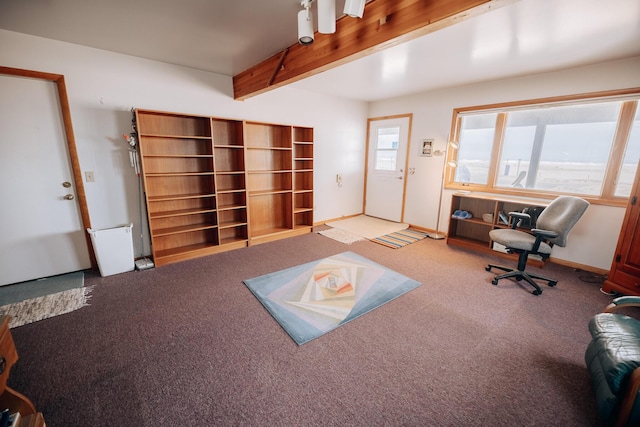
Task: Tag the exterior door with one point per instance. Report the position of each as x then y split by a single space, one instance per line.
41 231
387 167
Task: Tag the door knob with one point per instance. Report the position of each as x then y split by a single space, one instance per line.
66 184
398 177
69 197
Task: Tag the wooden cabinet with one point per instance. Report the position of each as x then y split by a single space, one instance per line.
9 398
214 184
624 276
488 212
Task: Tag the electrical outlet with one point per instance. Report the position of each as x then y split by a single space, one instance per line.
88 176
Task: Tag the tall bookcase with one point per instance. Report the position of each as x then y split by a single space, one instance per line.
302 177
279 179
213 185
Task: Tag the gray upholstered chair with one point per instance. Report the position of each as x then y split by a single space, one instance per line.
552 227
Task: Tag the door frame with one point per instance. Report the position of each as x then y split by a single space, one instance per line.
404 173
58 79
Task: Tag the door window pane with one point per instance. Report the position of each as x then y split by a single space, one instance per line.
630 160
474 151
387 148
560 149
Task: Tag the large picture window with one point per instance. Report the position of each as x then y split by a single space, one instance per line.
588 146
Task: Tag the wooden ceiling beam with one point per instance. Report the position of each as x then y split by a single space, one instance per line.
385 23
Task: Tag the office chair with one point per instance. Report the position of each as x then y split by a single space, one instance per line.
552 227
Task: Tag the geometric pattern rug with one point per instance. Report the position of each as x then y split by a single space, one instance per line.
400 238
312 299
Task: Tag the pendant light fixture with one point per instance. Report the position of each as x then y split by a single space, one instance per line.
327 16
354 8
305 23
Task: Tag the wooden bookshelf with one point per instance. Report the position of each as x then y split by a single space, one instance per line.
279 172
214 184
302 177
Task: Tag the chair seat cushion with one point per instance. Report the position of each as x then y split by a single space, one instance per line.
616 345
517 240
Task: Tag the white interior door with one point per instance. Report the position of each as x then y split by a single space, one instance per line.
40 224
386 168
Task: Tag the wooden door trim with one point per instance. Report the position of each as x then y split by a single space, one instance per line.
405 172
58 79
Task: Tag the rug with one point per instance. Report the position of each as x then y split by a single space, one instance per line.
317 297
367 226
341 236
400 239
41 299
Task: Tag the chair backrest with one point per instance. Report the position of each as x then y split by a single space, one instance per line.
560 216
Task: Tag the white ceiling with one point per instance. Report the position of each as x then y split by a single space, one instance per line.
227 37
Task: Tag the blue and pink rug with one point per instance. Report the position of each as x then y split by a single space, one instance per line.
312 299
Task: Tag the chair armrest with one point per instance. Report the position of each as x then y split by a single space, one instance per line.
629 398
545 234
620 302
519 217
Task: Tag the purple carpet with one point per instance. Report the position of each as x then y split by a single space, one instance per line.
189 344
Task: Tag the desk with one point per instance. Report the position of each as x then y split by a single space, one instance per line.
10 398
473 233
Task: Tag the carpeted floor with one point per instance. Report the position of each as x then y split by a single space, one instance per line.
189 343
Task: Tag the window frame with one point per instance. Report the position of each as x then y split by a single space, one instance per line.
387 150
621 136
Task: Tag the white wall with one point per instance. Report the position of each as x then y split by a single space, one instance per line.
104 86
593 240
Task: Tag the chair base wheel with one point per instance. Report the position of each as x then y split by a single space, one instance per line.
520 275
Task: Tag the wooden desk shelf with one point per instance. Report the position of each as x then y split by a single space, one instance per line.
473 233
